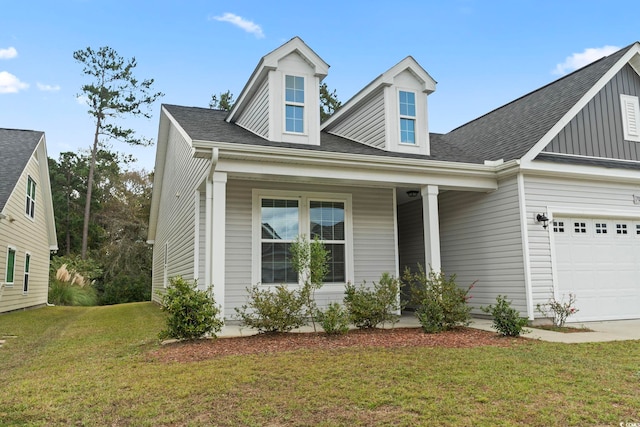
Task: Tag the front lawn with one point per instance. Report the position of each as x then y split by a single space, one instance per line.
92 366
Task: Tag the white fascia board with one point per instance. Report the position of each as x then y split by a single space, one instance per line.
564 170
546 139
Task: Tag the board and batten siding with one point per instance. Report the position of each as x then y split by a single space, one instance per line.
256 116
597 130
373 234
574 195
183 174
481 241
365 125
25 235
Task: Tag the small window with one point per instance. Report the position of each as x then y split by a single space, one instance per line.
558 226
11 266
31 198
637 228
580 227
621 228
601 228
407 117
27 262
294 104
630 117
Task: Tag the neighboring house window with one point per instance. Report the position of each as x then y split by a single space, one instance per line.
294 104
27 262
407 117
31 198
630 117
283 218
11 265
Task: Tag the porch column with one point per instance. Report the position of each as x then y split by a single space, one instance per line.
217 225
431 227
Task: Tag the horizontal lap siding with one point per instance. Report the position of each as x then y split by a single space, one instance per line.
365 125
570 194
176 218
25 235
481 241
256 116
373 230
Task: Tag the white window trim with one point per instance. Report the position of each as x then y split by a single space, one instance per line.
6 265
27 274
304 198
630 117
305 125
28 197
414 118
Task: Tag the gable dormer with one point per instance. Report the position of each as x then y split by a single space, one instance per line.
281 100
390 113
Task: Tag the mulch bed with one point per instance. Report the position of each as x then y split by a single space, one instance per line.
193 351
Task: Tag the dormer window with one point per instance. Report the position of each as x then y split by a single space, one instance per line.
407 117
294 104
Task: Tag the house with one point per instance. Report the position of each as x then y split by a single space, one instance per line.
536 199
27 226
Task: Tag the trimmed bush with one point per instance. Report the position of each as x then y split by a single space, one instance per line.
440 303
193 312
334 319
270 311
370 307
506 320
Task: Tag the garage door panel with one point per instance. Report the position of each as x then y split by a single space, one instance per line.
598 260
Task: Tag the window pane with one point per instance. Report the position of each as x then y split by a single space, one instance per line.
407 131
336 262
27 261
11 261
279 219
276 263
294 89
294 118
407 104
327 220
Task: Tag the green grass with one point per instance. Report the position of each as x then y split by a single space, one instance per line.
88 366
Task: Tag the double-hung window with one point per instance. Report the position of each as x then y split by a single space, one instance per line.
294 104
30 210
27 262
283 218
11 266
407 117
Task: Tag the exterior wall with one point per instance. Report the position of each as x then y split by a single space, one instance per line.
373 236
365 125
25 235
481 240
410 235
591 198
597 130
176 216
256 116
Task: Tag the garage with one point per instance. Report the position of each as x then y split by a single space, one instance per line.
598 260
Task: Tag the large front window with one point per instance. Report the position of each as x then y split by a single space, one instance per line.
284 218
407 117
294 104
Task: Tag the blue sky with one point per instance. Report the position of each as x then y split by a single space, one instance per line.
483 54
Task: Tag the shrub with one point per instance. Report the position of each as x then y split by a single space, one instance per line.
269 311
123 289
368 307
559 310
506 320
193 312
441 304
70 288
334 320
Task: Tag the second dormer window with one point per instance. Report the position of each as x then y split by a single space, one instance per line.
407 117
294 104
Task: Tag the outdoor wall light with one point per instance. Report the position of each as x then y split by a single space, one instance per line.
413 193
543 219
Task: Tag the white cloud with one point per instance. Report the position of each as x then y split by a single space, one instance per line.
48 88
579 60
10 83
240 22
8 53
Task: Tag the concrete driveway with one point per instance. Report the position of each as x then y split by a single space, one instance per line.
613 330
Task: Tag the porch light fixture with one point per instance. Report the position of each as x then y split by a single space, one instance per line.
413 193
543 219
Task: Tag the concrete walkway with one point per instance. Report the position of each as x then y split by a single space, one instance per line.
615 330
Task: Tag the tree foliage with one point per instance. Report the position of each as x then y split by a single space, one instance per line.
329 103
223 101
112 94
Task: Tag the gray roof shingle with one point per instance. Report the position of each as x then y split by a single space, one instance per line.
16 148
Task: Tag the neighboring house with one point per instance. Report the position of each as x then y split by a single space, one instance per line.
233 190
27 227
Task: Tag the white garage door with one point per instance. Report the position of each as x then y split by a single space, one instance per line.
598 260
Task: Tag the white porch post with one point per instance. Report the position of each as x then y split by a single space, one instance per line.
218 236
431 227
